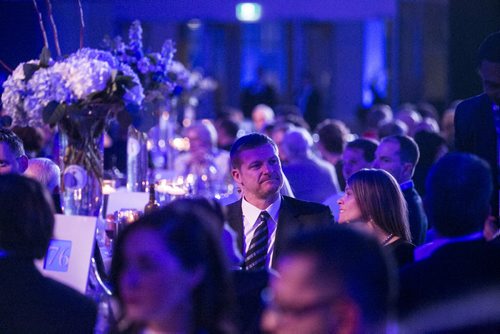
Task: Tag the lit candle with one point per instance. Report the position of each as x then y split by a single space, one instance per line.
176 191
167 187
162 186
108 187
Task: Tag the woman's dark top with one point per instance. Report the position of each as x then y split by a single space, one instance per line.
402 251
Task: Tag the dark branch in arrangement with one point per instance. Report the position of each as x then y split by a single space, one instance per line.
40 20
4 65
82 23
54 28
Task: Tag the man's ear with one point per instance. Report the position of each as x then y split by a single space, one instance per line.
408 169
347 317
236 175
23 163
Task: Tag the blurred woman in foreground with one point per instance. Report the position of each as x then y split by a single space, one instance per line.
170 275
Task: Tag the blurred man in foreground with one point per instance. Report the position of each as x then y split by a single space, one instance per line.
333 280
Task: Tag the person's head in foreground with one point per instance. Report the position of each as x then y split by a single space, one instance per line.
458 191
27 218
373 200
170 274
332 280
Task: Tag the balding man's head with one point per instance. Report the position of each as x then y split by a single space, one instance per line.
12 156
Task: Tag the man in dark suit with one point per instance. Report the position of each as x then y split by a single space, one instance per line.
308 99
477 119
256 169
399 155
30 302
258 92
458 274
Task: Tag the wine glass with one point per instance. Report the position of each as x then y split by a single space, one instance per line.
110 231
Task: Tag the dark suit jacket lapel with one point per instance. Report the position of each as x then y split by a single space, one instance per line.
235 220
287 219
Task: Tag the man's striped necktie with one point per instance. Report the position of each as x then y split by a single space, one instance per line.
257 252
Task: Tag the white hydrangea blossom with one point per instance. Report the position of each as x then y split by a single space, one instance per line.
14 92
105 56
67 81
45 86
84 76
12 97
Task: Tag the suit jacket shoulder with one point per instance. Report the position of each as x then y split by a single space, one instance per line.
453 271
32 303
297 215
416 216
473 122
475 133
320 213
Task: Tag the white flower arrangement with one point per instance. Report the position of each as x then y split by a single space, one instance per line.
85 77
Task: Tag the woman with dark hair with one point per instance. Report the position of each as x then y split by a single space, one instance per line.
170 274
373 200
30 302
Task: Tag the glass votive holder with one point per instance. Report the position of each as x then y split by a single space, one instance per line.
108 187
168 190
123 217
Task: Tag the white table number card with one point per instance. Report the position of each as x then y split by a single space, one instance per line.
68 257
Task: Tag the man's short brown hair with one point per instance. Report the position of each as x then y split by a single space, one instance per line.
248 142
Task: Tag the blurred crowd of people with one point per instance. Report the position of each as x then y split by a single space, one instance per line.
392 229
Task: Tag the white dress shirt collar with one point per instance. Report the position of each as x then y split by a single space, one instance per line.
251 212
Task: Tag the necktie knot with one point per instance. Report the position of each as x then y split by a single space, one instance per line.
264 216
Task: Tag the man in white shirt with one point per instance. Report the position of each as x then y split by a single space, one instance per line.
262 218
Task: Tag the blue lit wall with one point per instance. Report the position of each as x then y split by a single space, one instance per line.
374 61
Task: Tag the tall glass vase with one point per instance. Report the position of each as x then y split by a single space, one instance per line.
137 160
162 152
81 160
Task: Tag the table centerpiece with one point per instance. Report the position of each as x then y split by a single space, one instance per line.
79 93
